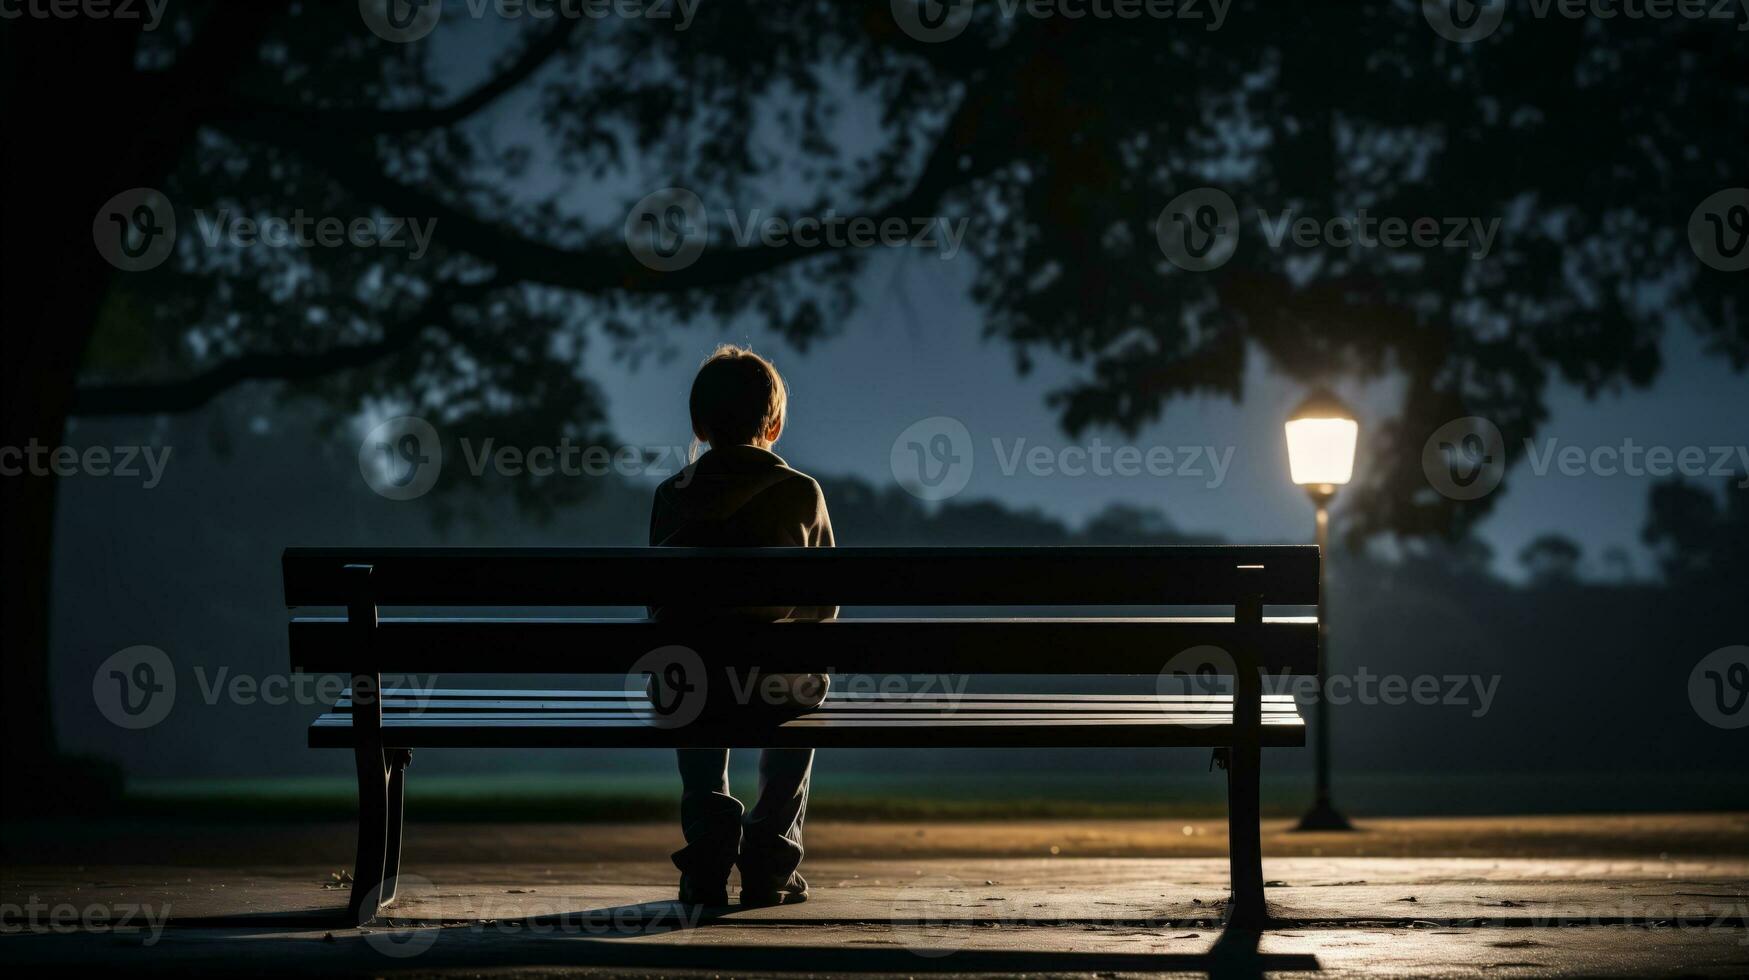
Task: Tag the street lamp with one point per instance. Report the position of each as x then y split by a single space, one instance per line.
1321 434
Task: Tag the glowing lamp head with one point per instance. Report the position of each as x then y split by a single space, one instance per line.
1321 435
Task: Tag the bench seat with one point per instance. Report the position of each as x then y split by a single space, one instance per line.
454 718
1070 611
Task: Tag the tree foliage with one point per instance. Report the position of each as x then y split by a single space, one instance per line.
1058 140
1551 559
1700 538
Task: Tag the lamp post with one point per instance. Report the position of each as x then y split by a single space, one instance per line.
1321 436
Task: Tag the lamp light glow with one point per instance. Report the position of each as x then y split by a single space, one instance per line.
1321 437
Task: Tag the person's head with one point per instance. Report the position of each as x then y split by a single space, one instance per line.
738 399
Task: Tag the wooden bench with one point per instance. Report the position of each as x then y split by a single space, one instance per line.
382 730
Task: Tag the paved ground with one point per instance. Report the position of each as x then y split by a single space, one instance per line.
1576 896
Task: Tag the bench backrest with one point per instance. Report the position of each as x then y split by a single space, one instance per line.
365 579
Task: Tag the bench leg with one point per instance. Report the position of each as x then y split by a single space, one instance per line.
398 760
1244 838
373 814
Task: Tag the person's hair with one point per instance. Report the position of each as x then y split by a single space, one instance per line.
737 397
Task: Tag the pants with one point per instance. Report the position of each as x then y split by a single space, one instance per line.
766 842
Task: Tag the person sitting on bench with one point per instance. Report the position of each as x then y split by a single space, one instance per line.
741 494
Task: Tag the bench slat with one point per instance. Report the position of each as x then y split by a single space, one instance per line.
1129 707
888 730
1286 575
623 720
437 694
1116 645
880 718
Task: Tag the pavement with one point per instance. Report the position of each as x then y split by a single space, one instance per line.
1524 896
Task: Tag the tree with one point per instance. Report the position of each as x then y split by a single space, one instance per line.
1059 140
1551 559
1701 542
1619 563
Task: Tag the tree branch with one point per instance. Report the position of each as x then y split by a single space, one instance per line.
609 266
606 267
191 393
374 121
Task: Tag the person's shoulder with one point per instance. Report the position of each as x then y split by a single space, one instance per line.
680 479
798 483
795 493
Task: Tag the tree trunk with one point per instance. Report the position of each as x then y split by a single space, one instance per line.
63 150
81 125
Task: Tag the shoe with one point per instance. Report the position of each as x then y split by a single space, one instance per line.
791 892
708 894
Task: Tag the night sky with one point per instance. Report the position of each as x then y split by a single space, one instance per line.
912 350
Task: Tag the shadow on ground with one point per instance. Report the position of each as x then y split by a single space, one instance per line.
653 937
